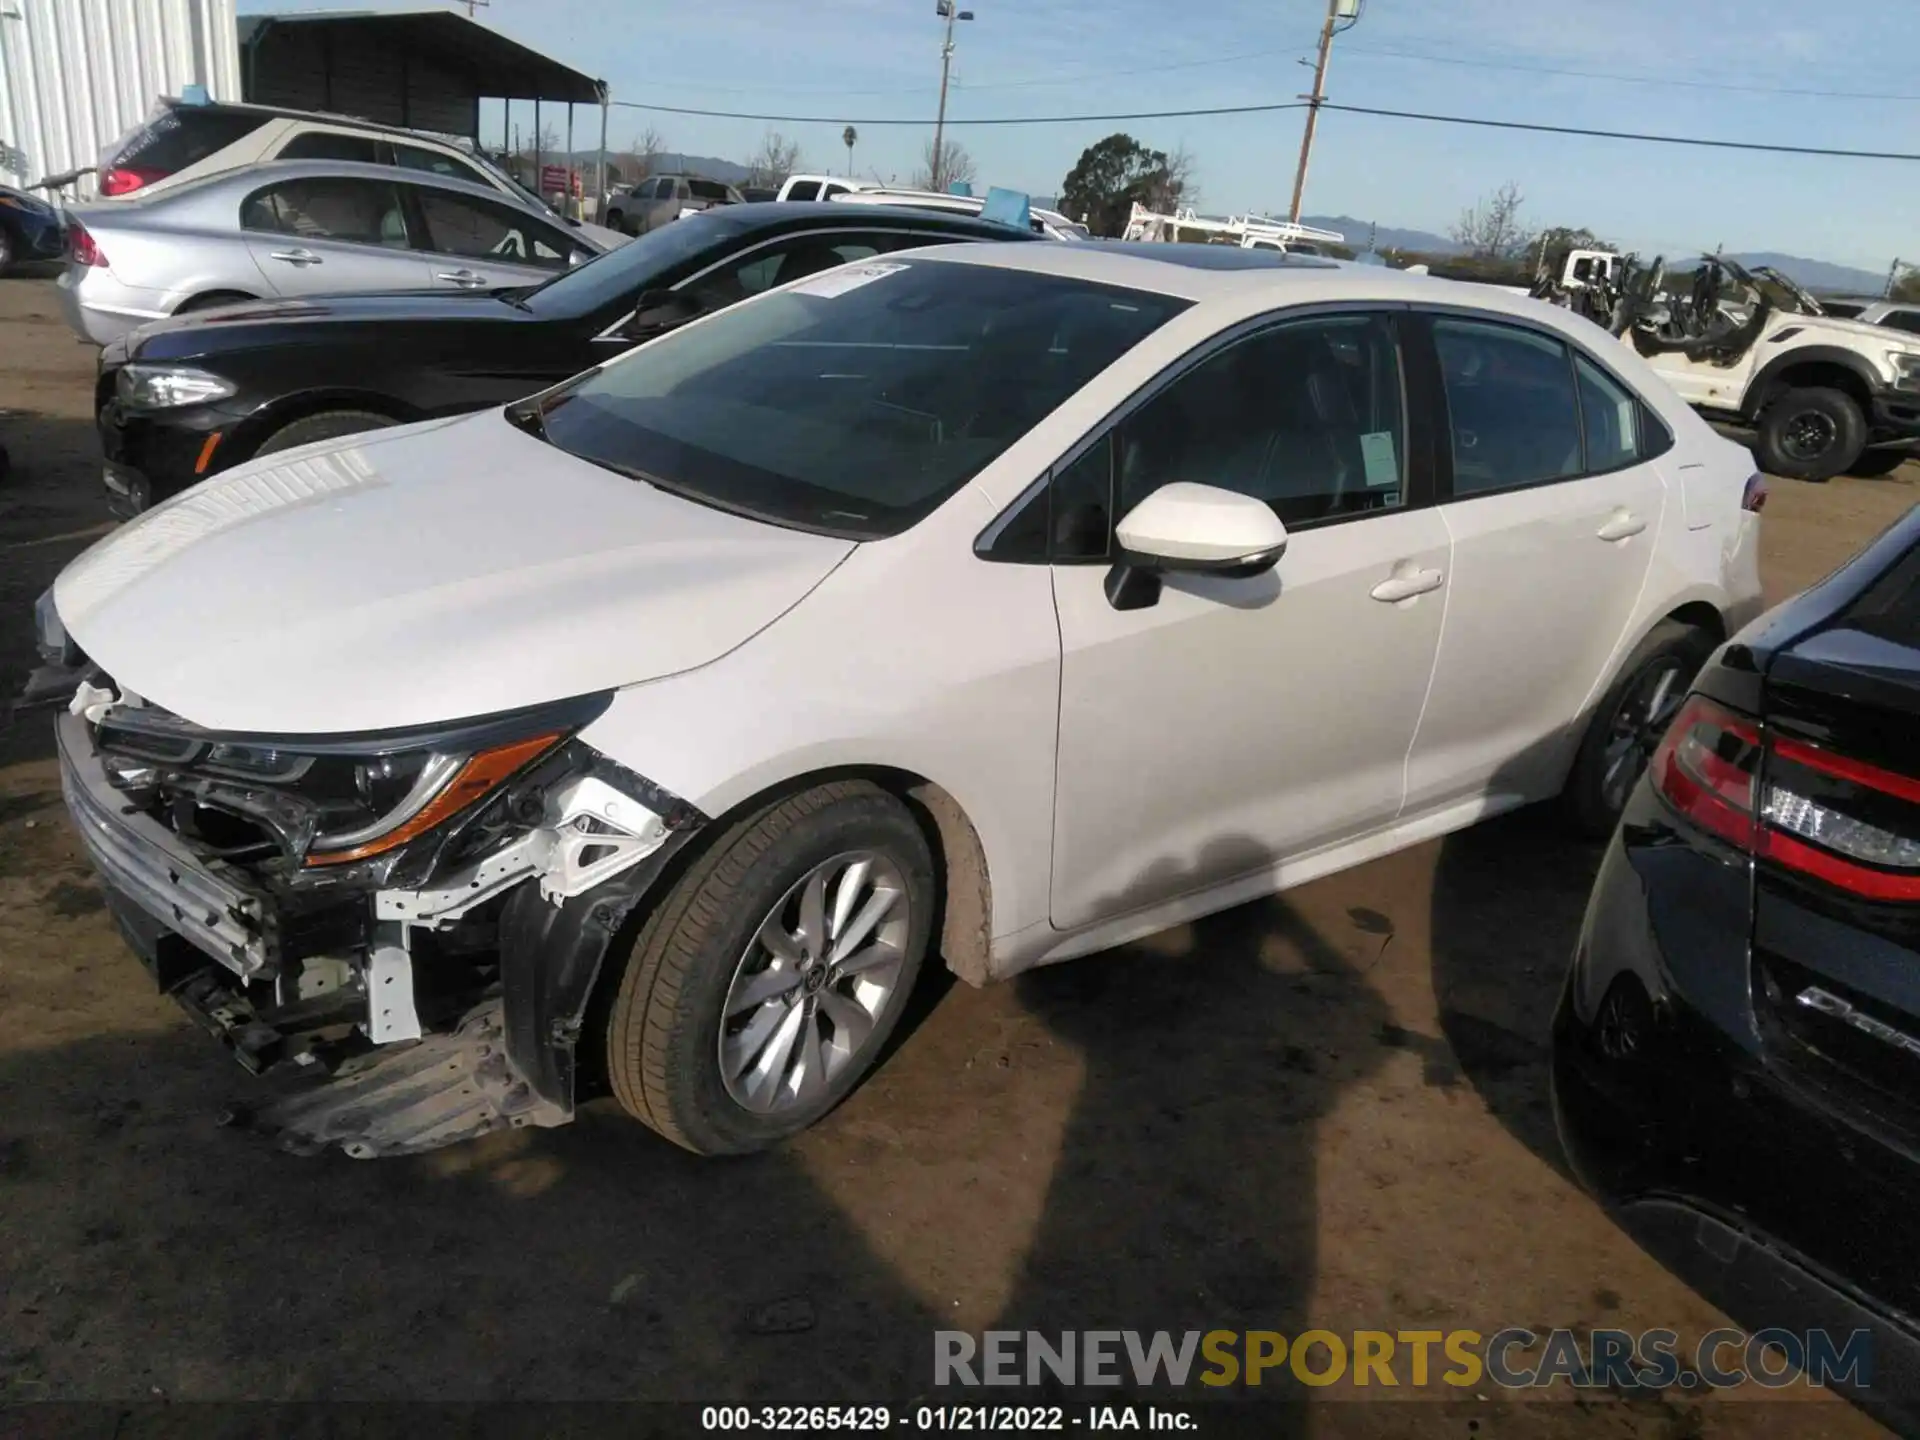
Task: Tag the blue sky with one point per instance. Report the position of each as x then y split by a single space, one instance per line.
854 59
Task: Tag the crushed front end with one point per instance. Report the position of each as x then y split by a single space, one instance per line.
412 921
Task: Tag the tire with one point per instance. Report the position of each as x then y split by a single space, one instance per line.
1811 434
616 220
668 1030
327 425
1882 460
213 299
1635 710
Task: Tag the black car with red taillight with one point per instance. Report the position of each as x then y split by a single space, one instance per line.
1737 1049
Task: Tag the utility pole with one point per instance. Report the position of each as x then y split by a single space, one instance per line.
1337 11
951 13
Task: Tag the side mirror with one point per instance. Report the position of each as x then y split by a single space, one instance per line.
1185 528
657 311
577 258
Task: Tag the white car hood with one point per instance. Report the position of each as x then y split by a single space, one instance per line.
433 572
1850 330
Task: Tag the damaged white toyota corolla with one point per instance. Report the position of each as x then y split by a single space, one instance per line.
1001 603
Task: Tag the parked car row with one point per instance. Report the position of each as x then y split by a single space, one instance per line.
722 629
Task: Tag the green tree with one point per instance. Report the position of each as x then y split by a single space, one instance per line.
1114 174
1907 286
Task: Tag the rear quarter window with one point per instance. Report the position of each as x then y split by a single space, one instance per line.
183 136
1891 608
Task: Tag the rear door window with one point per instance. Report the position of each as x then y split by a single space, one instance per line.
436 162
1908 320
805 190
184 136
331 145
1514 410
351 211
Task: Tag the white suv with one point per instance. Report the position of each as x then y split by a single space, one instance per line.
988 605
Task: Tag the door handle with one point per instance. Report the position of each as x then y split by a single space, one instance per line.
1623 525
302 257
466 279
1407 582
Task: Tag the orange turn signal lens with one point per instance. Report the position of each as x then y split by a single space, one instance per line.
479 777
206 453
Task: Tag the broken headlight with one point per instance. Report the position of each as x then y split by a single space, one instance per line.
165 387
324 801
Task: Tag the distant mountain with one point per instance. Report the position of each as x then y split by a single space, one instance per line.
1819 274
1389 237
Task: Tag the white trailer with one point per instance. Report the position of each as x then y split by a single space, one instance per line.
1249 232
75 75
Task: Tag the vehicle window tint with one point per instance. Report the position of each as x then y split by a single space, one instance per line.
707 190
778 263
1609 419
434 162
1511 397
361 212
1890 608
854 406
1307 417
1908 320
181 137
482 230
806 190
1081 505
331 145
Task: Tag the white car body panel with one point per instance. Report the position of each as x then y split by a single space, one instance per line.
450 568
1228 741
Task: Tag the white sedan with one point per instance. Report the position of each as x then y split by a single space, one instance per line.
996 603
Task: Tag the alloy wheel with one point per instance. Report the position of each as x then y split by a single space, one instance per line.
814 982
1809 435
1639 724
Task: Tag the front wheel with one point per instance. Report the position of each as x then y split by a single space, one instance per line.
1629 724
327 425
768 980
1811 434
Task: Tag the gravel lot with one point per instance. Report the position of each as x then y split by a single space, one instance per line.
1328 1110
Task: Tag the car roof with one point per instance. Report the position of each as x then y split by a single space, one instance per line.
329 117
797 214
253 176
1188 272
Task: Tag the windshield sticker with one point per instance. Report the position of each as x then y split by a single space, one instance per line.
850 277
1376 452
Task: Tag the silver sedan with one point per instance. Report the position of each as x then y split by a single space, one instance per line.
299 228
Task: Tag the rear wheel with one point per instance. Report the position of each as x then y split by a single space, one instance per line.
768 980
327 425
1811 434
1629 724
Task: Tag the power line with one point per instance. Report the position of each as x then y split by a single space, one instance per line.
1615 75
1001 120
1646 139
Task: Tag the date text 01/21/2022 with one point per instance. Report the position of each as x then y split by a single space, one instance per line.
979 1419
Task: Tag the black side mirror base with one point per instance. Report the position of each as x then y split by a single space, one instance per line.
1132 587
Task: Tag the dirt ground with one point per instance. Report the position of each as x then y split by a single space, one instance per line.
1324 1110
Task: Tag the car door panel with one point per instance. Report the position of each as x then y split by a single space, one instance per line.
1239 722
327 235
1546 574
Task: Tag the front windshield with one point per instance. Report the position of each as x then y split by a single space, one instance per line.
626 270
855 401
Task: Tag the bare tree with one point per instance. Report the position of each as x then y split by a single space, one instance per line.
1491 229
776 159
954 166
647 148
1182 179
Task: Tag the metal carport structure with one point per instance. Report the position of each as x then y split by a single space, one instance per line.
422 69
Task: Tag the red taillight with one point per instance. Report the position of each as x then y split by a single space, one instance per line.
125 179
1838 820
1754 497
82 248
1706 768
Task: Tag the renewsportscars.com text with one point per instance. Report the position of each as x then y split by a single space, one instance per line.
1513 1358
